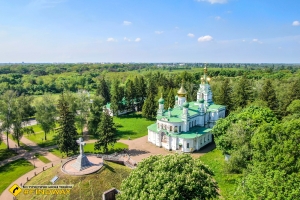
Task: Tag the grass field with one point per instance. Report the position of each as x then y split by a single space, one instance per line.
42 158
38 138
89 148
12 171
6 153
227 182
132 125
85 187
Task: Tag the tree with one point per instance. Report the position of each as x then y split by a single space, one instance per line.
130 94
170 101
224 95
7 104
106 132
96 111
46 114
149 107
82 102
234 133
242 93
21 113
103 90
116 97
67 131
170 177
268 94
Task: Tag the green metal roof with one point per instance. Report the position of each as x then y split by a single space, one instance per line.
192 133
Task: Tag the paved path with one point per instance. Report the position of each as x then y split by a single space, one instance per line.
6 195
138 149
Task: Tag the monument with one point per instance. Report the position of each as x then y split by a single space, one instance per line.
82 162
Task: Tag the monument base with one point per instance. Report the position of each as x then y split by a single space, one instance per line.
82 163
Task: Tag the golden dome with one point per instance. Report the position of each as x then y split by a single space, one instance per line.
181 92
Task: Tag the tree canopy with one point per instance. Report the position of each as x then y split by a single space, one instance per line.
170 177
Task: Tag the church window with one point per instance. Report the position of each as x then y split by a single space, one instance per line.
171 128
179 129
175 129
187 145
161 126
202 96
195 123
165 127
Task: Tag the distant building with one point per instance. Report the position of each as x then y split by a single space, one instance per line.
187 126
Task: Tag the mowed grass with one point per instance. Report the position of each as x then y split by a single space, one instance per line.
6 153
227 182
132 126
42 158
38 138
89 148
12 171
85 187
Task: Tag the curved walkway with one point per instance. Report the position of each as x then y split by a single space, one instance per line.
138 149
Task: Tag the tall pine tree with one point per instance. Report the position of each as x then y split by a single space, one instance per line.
170 101
116 97
149 108
224 95
103 90
96 110
268 95
67 133
106 132
242 93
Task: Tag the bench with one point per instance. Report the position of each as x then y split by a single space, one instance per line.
54 179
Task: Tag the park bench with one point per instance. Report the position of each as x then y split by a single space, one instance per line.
54 179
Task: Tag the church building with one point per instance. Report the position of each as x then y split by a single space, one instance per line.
186 127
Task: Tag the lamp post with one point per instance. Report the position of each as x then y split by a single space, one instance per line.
33 157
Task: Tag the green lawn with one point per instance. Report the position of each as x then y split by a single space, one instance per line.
12 171
42 158
85 187
38 138
6 153
227 182
132 126
89 148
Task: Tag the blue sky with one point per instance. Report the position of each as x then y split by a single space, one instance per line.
251 31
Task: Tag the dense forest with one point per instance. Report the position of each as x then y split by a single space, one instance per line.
260 133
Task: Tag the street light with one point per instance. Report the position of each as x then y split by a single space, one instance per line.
33 157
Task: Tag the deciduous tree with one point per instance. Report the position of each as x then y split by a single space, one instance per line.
46 114
170 177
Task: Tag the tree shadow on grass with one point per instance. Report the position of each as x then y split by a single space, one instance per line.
15 164
131 115
109 168
207 148
124 134
6 153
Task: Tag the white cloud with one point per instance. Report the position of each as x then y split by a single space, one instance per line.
217 18
111 40
126 23
214 1
205 38
137 40
158 32
256 40
296 23
127 39
191 35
